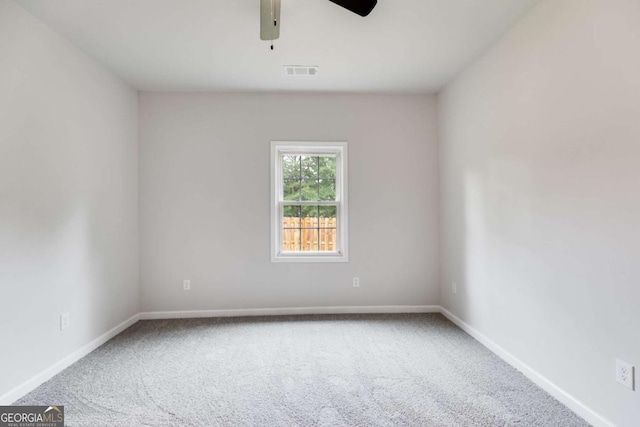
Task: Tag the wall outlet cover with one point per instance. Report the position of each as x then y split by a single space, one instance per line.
65 321
356 282
186 285
625 374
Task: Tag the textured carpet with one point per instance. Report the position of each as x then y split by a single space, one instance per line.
335 370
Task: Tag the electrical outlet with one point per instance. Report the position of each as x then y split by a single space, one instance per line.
65 321
625 374
454 287
186 285
356 282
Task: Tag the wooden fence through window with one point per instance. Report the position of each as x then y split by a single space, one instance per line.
309 234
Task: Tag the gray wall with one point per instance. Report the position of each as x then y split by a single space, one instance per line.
540 154
204 200
68 198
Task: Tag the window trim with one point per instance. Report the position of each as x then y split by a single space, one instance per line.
309 148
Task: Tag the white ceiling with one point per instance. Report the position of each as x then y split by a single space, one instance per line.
209 45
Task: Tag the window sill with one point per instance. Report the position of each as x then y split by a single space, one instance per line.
310 258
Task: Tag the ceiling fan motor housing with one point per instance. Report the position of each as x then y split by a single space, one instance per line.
270 14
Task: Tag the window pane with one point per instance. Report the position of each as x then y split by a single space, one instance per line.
309 216
309 229
327 217
328 240
291 240
309 190
327 167
290 168
327 189
291 190
291 217
309 167
309 240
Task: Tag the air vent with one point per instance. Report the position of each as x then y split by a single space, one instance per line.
300 70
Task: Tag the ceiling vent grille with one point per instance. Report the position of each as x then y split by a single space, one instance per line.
300 70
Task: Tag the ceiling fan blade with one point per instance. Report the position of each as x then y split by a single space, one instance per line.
361 7
269 19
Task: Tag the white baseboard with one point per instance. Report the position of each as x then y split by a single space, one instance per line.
541 381
288 311
29 385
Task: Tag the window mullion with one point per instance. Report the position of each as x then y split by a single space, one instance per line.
309 203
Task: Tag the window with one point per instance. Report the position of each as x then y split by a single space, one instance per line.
309 202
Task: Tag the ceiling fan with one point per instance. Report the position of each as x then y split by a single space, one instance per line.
270 15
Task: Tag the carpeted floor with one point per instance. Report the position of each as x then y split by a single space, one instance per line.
334 370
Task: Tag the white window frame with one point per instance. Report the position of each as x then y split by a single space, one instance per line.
339 149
